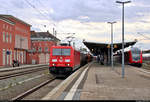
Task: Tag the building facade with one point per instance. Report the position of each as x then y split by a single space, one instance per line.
14 40
41 43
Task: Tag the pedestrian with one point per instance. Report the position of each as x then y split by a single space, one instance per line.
102 59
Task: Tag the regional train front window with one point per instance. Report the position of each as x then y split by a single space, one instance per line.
135 54
65 52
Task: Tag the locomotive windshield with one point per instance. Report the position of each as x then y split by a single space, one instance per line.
135 54
56 51
65 52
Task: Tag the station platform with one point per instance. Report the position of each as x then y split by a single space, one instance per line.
99 82
103 83
7 68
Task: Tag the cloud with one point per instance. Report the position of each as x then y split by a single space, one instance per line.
83 17
18 4
87 18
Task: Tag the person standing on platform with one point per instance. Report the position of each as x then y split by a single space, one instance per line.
101 59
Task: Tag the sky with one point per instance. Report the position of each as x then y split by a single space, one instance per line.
86 18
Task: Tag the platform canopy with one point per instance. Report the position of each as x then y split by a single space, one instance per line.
97 48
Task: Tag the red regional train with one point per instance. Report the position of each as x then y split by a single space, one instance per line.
65 59
131 57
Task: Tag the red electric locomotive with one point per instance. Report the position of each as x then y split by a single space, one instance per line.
64 60
131 57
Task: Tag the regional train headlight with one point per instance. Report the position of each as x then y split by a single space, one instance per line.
68 64
67 60
54 60
53 64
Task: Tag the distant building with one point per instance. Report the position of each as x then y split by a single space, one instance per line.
41 43
14 40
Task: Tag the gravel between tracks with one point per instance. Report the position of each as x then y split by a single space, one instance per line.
40 93
17 89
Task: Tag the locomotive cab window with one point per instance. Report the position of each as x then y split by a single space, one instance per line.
65 52
56 51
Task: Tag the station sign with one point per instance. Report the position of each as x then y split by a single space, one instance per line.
108 46
8 52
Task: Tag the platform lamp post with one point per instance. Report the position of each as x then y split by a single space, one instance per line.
125 2
108 47
112 43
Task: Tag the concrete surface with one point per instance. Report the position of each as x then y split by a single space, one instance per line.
103 83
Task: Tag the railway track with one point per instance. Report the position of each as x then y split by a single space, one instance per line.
14 74
28 92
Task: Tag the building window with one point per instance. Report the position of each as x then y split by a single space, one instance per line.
7 37
10 57
3 26
4 56
40 49
14 55
46 49
34 49
6 27
10 28
3 36
7 60
24 57
10 37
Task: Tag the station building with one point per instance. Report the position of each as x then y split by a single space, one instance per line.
14 40
41 42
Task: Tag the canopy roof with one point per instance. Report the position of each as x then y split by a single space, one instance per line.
96 48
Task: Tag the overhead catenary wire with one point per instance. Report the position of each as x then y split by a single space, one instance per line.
45 10
35 8
14 12
50 18
31 5
148 38
40 3
144 36
143 39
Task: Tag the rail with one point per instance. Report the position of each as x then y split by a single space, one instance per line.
9 75
21 67
21 96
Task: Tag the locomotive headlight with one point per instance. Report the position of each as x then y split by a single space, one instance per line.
68 64
67 60
53 64
54 60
